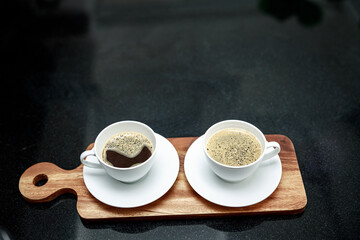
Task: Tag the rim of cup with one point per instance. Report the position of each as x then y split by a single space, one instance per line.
234 121
122 122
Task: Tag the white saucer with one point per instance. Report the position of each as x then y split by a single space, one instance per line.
250 191
151 187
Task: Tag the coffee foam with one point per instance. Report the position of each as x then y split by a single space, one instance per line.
234 147
129 144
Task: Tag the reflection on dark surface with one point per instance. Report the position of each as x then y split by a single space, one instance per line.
308 13
41 91
4 234
44 17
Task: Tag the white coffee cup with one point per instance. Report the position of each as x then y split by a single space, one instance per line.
130 174
238 173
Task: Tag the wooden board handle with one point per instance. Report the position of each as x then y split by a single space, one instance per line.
56 181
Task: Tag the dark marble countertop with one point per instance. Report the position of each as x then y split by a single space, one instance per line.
70 68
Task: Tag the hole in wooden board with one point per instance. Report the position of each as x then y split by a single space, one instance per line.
40 180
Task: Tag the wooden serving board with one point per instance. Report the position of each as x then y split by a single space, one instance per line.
179 202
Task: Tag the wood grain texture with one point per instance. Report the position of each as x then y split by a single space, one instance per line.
179 202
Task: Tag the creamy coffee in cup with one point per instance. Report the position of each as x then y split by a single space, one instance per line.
125 150
234 149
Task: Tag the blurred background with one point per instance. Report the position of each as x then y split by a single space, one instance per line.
70 68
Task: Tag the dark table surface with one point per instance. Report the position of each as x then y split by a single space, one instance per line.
70 68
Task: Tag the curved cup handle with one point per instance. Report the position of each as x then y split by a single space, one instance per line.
271 150
88 163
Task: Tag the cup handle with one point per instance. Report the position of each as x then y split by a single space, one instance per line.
271 150
88 163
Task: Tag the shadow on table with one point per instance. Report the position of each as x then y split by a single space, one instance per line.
53 203
230 224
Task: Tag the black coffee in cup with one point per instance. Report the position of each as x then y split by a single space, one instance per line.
127 149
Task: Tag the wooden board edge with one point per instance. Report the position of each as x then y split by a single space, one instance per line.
304 203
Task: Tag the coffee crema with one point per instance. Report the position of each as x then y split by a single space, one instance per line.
127 149
234 147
